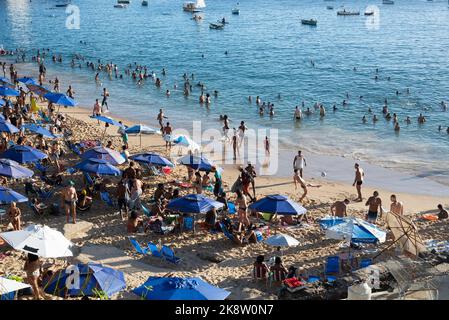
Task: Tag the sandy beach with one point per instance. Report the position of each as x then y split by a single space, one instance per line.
100 235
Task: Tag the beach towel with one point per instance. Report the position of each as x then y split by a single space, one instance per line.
430 217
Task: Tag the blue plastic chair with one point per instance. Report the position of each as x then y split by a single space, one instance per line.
40 167
312 279
88 178
44 195
365 263
332 268
137 246
231 208
226 232
169 255
107 198
188 224
154 250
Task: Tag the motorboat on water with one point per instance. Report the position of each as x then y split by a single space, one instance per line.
145 3
123 1
236 11
309 22
121 5
194 6
387 2
330 8
370 13
216 26
348 13
62 5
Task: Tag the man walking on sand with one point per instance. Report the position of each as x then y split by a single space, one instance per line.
299 163
358 181
69 198
375 205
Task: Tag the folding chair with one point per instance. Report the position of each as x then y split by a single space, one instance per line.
154 250
138 248
188 224
169 255
332 268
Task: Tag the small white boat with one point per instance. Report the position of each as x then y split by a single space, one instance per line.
120 5
194 6
145 3
387 2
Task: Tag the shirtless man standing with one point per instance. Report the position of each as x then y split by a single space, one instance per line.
396 206
374 203
338 209
14 214
359 176
160 118
69 198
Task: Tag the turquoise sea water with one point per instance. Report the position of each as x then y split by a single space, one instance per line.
269 53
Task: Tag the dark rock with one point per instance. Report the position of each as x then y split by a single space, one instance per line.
215 258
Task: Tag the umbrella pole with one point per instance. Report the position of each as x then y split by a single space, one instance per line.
104 133
140 135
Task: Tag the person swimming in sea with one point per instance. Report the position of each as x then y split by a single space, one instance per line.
375 119
298 113
334 107
364 119
397 127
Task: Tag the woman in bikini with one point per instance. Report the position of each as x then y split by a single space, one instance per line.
243 207
32 268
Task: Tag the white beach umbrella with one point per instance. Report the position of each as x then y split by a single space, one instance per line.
281 240
39 240
7 286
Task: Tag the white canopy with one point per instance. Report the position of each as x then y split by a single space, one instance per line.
7 286
39 240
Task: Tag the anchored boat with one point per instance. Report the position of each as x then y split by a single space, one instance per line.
309 22
216 26
194 6
348 13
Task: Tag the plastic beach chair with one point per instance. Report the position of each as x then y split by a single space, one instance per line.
154 250
169 255
40 167
226 232
146 211
188 224
107 198
44 195
88 178
137 247
332 268
365 263
231 208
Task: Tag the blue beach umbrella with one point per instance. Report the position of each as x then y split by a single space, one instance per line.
11 169
27 80
141 128
93 278
3 80
23 154
8 92
61 99
152 159
278 204
103 153
356 230
97 166
39 130
173 288
6 126
108 120
39 90
200 163
194 203
8 195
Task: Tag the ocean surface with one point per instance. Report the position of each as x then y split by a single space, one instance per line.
269 53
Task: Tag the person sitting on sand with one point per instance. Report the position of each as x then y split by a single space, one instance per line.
260 268
32 269
198 183
38 207
374 203
159 192
84 200
222 198
396 206
442 214
338 209
298 180
134 222
278 269
211 219
15 215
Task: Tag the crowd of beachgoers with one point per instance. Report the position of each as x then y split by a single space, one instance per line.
131 196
